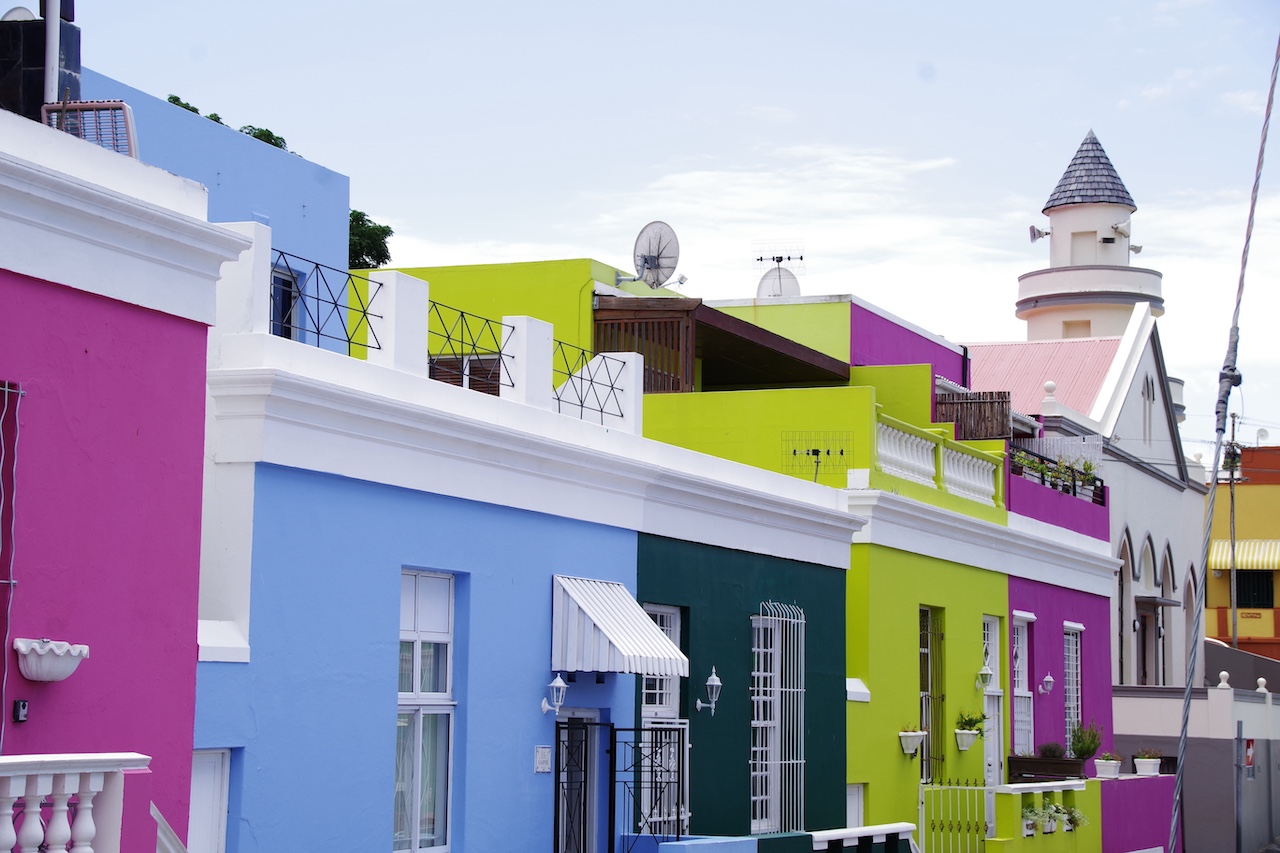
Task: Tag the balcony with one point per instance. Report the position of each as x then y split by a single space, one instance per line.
929 458
69 799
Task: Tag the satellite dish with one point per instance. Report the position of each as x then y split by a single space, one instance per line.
778 281
1036 233
657 251
18 13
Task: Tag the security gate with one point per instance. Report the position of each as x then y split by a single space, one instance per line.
953 816
608 779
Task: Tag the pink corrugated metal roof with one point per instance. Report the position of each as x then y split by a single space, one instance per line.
1077 365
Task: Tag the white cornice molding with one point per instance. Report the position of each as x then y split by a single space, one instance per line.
459 443
67 230
1046 553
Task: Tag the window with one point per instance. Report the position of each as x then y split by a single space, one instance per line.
1023 698
777 718
660 694
10 396
424 723
932 712
1254 589
1071 678
286 304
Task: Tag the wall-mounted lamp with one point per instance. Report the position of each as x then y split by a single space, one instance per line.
984 677
1046 686
558 688
713 693
1135 626
1217 573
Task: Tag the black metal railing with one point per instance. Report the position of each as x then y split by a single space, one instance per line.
1057 474
468 350
314 304
586 382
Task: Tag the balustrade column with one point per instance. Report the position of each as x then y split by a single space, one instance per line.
11 790
58 832
31 835
84 830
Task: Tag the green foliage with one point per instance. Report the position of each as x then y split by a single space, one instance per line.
1086 740
1053 749
367 243
1109 756
970 722
263 134
1148 752
178 102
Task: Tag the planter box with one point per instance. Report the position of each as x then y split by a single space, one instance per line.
1028 768
1147 766
911 741
1107 769
966 737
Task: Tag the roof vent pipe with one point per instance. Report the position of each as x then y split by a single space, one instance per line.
52 48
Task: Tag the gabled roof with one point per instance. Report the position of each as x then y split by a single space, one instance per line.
1090 179
1078 366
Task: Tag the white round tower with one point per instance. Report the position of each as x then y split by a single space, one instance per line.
1089 289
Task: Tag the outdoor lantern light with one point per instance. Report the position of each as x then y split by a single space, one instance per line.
1046 686
558 688
984 677
713 693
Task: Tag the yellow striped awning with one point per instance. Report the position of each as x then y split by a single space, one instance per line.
1255 554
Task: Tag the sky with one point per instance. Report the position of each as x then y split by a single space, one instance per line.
906 147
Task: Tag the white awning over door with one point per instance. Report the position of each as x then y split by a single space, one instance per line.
597 626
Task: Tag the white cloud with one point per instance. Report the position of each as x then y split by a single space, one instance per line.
1249 102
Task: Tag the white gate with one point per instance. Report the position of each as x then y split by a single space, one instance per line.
953 817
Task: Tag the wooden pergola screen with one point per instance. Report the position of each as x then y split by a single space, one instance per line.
977 415
666 344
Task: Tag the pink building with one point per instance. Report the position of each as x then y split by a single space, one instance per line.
107 286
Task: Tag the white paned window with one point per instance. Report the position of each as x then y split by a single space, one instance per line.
1071 678
660 694
1023 699
932 713
424 723
777 718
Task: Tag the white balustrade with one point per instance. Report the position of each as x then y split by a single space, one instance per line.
905 455
968 476
64 790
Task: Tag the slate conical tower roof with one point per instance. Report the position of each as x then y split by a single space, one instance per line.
1090 179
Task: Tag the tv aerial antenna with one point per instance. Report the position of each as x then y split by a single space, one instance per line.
782 262
656 253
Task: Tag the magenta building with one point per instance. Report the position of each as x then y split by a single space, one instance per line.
107 283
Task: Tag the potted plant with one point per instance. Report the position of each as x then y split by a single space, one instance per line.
1049 764
1030 820
1147 762
1072 818
968 729
1049 816
911 737
1085 740
1108 765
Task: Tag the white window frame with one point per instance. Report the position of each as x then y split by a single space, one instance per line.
1024 725
1072 637
423 706
777 761
660 694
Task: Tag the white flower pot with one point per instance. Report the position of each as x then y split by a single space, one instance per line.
48 660
1107 769
966 737
911 741
1147 766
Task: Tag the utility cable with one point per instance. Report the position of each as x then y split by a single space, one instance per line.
1227 379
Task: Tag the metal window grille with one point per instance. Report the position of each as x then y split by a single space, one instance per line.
108 124
1071 677
1023 701
660 694
777 718
663 761
932 697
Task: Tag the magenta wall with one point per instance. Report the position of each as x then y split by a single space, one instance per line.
1053 605
874 340
1135 814
107 546
1038 501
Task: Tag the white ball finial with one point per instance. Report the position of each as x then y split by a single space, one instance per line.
1222 679
1050 387
1262 686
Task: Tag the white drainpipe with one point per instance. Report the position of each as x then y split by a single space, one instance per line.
52 47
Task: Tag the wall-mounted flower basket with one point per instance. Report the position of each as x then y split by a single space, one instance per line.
911 741
48 660
966 737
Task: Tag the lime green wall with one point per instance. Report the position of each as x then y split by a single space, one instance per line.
823 326
1083 839
885 591
904 391
557 292
750 426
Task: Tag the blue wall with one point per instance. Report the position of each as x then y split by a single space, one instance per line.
312 718
306 205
